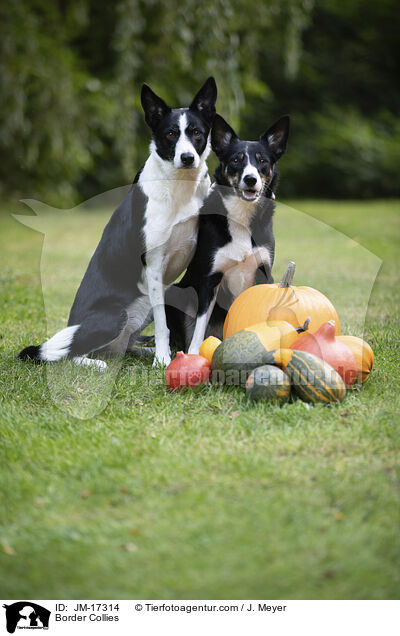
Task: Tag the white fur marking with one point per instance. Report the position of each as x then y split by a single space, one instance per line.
58 346
83 361
170 228
201 326
238 260
198 335
184 145
250 170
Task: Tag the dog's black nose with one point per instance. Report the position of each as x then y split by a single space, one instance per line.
250 180
187 158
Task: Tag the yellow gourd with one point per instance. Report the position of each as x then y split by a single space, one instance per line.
208 347
363 354
277 334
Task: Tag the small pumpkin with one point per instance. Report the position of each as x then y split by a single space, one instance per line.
245 350
324 344
363 354
276 302
187 369
268 383
208 347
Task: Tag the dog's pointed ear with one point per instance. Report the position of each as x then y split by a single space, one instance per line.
204 101
222 135
276 137
154 107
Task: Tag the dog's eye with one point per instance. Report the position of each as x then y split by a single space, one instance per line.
171 133
196 132
236 160
261 159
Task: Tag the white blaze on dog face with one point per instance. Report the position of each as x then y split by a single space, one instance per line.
181 135
250 180
186 155
248 165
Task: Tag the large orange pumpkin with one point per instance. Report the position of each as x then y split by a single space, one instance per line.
280 302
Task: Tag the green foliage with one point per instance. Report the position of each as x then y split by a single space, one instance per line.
70 78
343 154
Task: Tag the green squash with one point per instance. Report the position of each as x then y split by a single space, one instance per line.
268 383
238 355
314 380
235 357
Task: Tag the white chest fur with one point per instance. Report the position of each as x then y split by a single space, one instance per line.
174 200
238 260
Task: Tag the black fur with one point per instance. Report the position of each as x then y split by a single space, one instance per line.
112 281
200 281
163 120
30 353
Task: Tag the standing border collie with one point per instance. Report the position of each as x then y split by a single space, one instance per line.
235 245
147 243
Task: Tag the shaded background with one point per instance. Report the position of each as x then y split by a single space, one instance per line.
70 77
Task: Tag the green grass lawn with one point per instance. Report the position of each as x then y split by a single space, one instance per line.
199 495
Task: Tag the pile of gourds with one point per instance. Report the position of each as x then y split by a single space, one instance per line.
281 340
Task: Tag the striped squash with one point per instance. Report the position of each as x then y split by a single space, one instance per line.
268 383
312 379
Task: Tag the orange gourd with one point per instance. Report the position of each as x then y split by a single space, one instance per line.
208 347
324 344
363 354
280 302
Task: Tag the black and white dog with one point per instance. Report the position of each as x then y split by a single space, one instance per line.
147 243
236 245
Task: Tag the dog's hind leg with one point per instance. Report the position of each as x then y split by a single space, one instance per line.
141 351
98 330
144 339
84 361
102 331
181 305
140 315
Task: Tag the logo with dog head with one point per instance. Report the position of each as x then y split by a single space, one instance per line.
26 615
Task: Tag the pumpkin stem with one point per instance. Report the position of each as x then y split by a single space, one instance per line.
305 326
288 275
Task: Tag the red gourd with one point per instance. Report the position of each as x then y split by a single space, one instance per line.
324 344
187 369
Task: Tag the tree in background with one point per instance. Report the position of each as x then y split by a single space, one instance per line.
71 72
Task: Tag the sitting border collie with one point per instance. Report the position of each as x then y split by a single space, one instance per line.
147 243
235 245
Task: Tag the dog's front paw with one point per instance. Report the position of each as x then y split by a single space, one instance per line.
161 360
